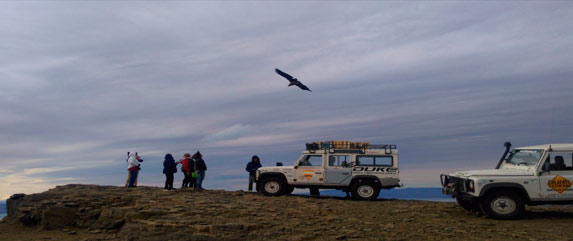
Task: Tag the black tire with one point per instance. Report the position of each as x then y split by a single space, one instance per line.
272 186
365 190
470 205
314 192
289 190
502 205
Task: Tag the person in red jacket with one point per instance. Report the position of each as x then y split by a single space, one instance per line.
187 169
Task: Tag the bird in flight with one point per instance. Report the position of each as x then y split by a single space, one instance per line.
293 81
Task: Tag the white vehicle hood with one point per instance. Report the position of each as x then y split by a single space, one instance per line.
495 172
274 168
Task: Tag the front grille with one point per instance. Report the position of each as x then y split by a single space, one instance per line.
458 183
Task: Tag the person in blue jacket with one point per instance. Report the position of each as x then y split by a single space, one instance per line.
169 167
252 169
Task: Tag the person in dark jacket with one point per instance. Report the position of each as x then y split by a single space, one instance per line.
187 169
169 167
200 168
252 169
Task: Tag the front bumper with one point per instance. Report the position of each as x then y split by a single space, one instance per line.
454 186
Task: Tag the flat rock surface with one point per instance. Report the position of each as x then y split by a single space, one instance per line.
91 212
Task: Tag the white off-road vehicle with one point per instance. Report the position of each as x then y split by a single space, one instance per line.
530 175
359 168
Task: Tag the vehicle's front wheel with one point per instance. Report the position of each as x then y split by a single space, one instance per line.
365 190
470 205
272 186
502 205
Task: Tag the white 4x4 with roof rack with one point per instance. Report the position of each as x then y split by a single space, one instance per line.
356 167
530 175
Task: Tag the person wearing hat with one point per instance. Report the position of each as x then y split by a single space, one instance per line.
200 168
252 170
169 167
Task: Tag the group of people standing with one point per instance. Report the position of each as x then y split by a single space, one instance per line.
193 168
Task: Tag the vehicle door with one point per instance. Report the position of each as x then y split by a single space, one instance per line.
338 170
310 170
556 176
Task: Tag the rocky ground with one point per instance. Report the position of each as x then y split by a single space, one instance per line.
91 212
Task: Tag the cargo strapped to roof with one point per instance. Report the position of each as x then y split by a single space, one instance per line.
348 147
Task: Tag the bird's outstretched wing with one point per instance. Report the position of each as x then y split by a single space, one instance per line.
283 74
303 87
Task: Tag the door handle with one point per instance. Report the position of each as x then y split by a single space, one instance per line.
345 173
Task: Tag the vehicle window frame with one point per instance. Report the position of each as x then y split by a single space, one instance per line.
551 155
513 152
374 163
306 156
348 160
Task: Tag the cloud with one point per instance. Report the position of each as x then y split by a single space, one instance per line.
231 133
84 82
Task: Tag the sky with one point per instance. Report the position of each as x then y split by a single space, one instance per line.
83 82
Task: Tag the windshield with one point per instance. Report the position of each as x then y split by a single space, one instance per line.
524 157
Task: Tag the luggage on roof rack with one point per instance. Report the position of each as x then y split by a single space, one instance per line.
347 146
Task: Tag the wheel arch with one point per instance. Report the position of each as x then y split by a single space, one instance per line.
265 175
519 189
363 178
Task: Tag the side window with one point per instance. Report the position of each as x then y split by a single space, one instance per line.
559 161
365 161
339 161
374 161
311 160
384 161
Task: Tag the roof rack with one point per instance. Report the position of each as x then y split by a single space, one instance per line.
348 147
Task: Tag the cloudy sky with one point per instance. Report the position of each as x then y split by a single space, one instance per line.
84 82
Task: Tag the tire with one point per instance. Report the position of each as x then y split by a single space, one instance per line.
314 192
470 205
288 190
365 190
502 205
272 186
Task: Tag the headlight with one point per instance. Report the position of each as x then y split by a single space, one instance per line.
470 185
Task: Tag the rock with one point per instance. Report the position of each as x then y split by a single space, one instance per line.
340 237
204 228
57 217
151 214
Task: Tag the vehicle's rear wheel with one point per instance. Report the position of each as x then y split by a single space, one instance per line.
470 205
272 186
288 190
502 205
365 190
314 191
